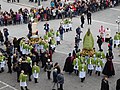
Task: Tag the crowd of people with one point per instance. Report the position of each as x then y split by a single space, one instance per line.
57 10
26 55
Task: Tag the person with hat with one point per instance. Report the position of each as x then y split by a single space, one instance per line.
48 68
23 80
35 72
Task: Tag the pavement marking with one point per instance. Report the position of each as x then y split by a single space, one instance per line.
115 9
61 52
3 87
8 85
104 22
116 62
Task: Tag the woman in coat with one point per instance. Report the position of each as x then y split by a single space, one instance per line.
1 38
104 84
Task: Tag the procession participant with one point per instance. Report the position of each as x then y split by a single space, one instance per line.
46 27
104 84
118 84
53 44
15 62
68 66
110 43
29 60
61 30
9 63
44 59
26 67
78 31
82 71
109 68
116 40
23 81
2 62
35 72
102 33
99 42
48 68
55 78
82 20
107 34
50 54
60 80
99 65
58 37
89 17
90 63
57 66
76 63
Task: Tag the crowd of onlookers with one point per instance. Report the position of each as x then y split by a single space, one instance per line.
57 10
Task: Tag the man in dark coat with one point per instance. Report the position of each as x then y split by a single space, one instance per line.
89 17
60 80
9 64
46 27
118 84
82 20
105 84
78 31
5 30
30 27
68 67
99 42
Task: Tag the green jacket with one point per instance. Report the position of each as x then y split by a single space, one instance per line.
82 66
92 60
46 46
35 68
45 37
57 33
82 59
23 77
116 37
100 54
52 41
98 60
50 34
74 62
29 60
2 58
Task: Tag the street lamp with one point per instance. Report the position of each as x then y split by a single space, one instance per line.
118 22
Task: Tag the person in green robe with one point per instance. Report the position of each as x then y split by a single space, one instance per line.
99 65
116 39
35 72
76 63
2 62
82 71
23 81
90 63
